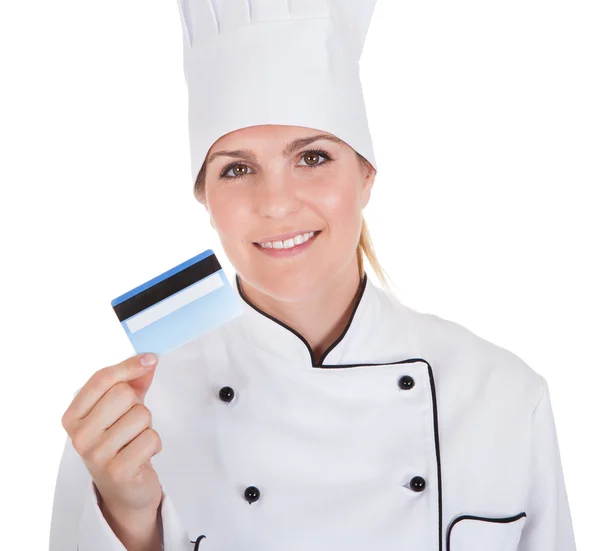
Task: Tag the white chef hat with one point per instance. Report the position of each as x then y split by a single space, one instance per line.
288 62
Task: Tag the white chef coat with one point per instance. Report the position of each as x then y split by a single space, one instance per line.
410 433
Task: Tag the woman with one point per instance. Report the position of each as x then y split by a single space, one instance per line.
328 415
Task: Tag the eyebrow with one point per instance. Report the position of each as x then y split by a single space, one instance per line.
290 148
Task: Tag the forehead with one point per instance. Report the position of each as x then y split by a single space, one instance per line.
264 134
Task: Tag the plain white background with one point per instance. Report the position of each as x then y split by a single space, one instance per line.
485 120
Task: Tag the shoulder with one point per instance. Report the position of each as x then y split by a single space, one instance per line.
458 351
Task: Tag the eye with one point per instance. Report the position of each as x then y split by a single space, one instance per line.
316 153
224 174
311 153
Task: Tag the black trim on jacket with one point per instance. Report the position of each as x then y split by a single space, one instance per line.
321 365
314 363
486 519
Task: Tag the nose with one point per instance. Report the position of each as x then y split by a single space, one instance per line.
276 196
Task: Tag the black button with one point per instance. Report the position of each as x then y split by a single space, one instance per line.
406 382
226 394
252 494
417 484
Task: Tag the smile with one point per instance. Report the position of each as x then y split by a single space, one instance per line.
289 247
288 243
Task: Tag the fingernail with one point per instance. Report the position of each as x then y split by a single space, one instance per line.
148 359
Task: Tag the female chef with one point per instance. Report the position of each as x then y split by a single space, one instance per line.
329 415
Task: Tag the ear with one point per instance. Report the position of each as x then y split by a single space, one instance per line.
367 186
201 198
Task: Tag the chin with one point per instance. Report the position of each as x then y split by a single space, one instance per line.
288 285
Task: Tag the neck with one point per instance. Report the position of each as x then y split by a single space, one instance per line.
322 318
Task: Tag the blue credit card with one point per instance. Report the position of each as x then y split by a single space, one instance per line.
178 305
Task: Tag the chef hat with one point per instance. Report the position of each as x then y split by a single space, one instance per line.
288 62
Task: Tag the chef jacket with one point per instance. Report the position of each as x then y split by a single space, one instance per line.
409 433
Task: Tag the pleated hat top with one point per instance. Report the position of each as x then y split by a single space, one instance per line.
287 62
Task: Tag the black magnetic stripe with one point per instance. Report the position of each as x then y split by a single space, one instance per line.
167 287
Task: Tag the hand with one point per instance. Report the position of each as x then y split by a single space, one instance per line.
111 429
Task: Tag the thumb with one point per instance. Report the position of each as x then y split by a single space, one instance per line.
142 383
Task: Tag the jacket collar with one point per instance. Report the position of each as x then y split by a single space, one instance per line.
276 337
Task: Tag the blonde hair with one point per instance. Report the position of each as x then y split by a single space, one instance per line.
365 247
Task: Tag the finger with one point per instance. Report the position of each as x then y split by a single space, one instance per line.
129 461
122 433
99 383
117 401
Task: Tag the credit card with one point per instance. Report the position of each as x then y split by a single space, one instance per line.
178 305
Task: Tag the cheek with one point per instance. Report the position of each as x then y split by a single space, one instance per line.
229 213
338 204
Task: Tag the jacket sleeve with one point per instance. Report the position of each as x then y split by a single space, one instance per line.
77 523
549 525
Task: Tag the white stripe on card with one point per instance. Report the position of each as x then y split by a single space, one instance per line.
174 302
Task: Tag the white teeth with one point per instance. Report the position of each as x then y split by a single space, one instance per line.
288 243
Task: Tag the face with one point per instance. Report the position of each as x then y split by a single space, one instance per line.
277 180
